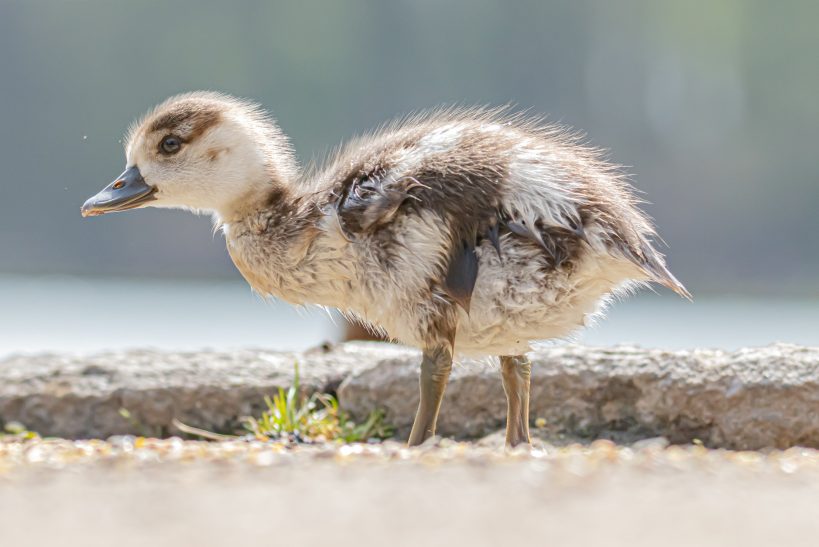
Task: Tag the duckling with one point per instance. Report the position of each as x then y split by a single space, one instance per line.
464 230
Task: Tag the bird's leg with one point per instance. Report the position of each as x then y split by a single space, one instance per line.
515 371
435 368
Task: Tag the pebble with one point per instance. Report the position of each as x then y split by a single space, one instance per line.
580 460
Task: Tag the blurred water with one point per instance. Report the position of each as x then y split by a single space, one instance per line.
88 315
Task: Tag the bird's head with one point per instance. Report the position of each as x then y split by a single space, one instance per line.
201 151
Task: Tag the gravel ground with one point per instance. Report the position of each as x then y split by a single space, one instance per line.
136 491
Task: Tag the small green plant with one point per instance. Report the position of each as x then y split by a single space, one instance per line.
318 417
18 431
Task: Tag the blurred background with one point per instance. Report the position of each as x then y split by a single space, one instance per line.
714 106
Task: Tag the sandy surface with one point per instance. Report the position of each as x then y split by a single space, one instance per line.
135 491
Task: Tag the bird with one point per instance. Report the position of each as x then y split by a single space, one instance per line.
462 231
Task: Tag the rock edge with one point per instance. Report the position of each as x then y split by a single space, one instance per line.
748 399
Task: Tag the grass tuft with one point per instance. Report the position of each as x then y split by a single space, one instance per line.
316 418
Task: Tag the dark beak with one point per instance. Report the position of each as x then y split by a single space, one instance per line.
127 192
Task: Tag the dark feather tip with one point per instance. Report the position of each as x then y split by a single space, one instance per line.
493 234
462 274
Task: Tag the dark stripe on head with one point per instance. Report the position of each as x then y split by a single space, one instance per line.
188 120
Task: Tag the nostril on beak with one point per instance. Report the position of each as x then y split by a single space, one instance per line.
119 184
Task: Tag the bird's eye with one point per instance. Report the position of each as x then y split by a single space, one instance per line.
170 145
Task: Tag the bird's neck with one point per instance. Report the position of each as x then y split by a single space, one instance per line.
251 204
277 245
267 175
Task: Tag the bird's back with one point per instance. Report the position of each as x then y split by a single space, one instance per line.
511 221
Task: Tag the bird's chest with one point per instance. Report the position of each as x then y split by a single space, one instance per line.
297 271
385 283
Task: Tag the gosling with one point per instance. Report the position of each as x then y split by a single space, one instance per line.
465 230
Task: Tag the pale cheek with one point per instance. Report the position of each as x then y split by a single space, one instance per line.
181 185
149 172
162 179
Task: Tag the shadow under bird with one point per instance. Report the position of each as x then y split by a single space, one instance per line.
463 230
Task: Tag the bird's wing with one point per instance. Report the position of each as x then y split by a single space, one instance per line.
370 199
367 200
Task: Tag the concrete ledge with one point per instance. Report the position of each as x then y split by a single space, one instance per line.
749 399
